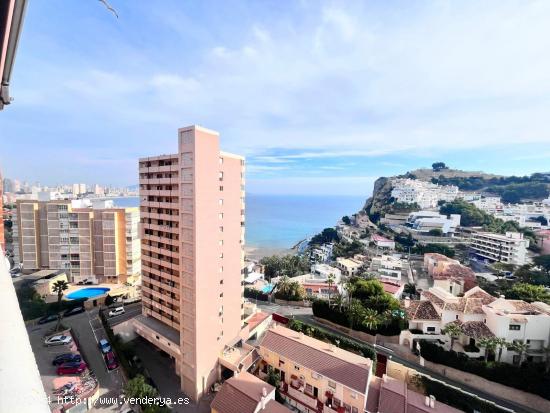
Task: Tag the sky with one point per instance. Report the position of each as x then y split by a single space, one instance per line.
321 97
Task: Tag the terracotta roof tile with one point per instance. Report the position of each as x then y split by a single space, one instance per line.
421 310
341 366
241 394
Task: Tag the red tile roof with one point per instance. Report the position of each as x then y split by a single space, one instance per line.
338 365
421 310
240 394
256 320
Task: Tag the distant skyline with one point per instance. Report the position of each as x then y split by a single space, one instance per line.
321 97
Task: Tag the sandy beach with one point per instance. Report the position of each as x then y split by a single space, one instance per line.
256 253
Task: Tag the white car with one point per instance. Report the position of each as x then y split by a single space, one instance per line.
58 340
116 311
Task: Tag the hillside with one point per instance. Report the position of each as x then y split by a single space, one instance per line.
511 189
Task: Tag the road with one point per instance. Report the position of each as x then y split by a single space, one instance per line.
130 311
305 315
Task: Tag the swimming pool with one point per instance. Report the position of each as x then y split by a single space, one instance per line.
87 293
266 289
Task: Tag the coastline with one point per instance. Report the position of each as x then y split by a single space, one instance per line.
257 253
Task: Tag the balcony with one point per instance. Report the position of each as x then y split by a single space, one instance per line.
157 168
299 396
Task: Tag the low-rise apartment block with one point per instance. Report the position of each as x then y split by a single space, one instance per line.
387 267
479 315
315 376
424 194
426 221
509 248
382 243
449 274
317 284
98 245
349 266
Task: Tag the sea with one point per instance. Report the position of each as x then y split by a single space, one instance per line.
281 221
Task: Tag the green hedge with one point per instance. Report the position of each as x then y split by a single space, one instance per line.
456 398
321 309
530 377
340 341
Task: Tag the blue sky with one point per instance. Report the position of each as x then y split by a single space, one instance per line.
322 97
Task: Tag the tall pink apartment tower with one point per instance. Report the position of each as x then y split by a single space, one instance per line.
192 237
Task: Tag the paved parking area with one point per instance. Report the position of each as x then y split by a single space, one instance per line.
87 329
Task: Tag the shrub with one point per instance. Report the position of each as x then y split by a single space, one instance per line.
531 378
255 294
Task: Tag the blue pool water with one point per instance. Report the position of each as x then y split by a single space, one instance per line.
87 293
266 289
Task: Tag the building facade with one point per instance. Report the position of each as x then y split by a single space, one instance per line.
192 229
2 239
90 244
509 248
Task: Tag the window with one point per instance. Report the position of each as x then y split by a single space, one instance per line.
354 410
515 327
353 395
281 363
331 384
430 329
220 201
309 389
456 317
297 368
220 215
315 376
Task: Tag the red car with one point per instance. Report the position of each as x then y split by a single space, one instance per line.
111 361
71 368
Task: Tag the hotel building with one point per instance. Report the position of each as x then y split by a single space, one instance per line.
510 248
192 229
100 245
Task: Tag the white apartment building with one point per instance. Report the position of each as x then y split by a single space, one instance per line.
510 248
322 253
425 221
479 315
425 194
489 204
349 266
388 267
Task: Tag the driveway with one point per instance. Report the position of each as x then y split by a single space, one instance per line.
160 367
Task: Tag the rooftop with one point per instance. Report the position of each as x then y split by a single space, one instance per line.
242 394
347 368
421 310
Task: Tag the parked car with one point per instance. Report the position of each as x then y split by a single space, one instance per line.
116 311
71 368
48 318
110 360
66 358
58 340
104 346
73 311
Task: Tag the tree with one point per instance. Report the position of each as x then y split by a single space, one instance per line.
274 379
410 288
500 344
371 319
489 344
325 236
519 347
436 232
529 293
453 330
543 261
138 388
438 166
59 287
355 312
346 220
330 282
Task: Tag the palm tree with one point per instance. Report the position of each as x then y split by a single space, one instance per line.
500 344
355 312
453 330
350 288
489 344
519 347
410 289
58 287
330 282
371 319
